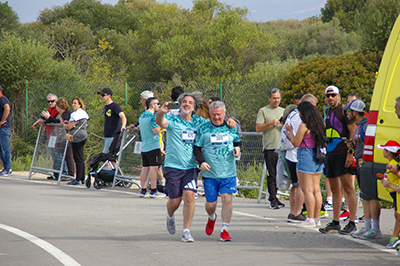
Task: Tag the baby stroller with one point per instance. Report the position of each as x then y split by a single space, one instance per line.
104 173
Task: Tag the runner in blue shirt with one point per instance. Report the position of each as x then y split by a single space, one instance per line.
151 152
181 169
215 148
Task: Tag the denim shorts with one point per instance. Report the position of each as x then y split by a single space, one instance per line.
306 161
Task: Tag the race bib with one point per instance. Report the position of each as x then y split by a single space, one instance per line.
219 139
188 136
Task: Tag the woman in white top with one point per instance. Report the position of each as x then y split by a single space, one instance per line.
76 126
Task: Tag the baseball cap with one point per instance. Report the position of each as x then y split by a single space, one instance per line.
391 146
331 89
355 105
105 91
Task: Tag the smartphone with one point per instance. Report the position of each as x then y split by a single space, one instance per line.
345 139
173 106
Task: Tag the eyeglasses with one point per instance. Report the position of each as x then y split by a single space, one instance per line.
51 101
330 95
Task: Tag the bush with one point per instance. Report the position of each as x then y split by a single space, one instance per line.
355 72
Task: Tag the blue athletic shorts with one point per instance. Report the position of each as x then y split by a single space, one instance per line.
178 180
215 186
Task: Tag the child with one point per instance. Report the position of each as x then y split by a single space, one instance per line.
391 151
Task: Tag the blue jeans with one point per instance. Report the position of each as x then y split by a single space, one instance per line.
57 155
5 152
107 144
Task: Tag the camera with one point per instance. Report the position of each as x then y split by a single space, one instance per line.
281 119
327 139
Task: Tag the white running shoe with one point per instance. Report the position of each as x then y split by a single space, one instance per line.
171 224
186 236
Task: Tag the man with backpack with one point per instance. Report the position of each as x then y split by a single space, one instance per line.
338 160
372 207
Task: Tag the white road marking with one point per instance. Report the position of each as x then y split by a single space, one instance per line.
254 216
360 241
52 250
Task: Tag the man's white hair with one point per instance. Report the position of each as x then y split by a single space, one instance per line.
146 94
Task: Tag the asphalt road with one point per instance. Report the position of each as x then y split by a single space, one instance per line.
45 224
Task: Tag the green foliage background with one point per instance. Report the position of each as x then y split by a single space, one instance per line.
157 46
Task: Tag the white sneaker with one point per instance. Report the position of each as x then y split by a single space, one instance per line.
307 223
186 236
171 224
157 195
317 222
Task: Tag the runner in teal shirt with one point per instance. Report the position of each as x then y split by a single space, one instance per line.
147 122
215 147
180 169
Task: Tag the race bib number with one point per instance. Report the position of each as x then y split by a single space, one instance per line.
219 139
188 136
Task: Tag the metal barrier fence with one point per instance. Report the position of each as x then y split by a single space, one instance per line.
251 168
50 151
129 163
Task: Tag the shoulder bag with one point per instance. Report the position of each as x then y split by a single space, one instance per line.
70 137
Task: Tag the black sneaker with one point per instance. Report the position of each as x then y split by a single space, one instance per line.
290 217
274 205
298 219
329 228
349 228
280 204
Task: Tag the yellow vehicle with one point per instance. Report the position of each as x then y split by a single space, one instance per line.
383 123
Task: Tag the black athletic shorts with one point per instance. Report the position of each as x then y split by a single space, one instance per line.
334 165
151 158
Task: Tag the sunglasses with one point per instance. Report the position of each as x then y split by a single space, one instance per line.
102 95
157 103
51 101
330 95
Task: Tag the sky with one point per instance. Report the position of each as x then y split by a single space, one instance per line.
259 10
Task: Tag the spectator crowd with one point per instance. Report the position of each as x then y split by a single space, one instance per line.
298 143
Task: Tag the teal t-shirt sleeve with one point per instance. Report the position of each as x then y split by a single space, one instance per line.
153 123
236 135
198 140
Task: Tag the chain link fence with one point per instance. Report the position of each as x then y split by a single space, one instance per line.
243 99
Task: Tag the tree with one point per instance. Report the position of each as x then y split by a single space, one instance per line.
196 45
300 39
9 20
344 10
350 73
375 23
94 14
29 59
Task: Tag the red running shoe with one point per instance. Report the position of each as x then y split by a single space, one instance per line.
343 216
210 226
225 236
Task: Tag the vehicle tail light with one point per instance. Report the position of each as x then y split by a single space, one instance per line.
369 141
